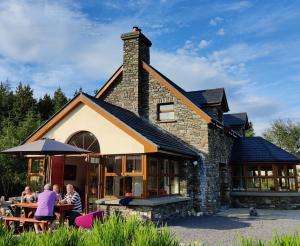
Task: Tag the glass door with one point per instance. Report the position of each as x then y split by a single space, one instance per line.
93 182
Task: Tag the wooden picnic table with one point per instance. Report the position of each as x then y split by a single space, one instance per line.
60 209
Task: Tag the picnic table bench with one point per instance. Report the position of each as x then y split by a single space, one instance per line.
43 223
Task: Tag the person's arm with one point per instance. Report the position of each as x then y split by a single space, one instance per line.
67 199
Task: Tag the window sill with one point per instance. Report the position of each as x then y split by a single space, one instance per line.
265 193
166 121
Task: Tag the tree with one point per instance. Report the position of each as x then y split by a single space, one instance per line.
285 134
15 169
250 131
46 107
78 91
6 100
23 102
59 100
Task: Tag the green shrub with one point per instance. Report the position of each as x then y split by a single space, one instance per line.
285 239
6 236
115 231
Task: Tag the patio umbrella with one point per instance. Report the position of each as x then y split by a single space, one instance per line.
46 147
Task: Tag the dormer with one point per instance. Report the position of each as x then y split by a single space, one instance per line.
237 122
212 101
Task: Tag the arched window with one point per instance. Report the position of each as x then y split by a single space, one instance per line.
85 140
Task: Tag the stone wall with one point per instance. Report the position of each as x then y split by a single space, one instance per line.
159 213
267 201
220 146
135 48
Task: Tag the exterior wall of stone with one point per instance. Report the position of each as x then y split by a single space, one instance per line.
267 202
159 213
220 146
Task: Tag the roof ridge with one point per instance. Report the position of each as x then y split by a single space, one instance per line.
218 88
236 113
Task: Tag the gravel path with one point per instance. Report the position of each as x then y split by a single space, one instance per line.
225 228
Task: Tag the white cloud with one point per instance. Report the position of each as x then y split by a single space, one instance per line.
204 43
220 32
215 21
236 6
57 43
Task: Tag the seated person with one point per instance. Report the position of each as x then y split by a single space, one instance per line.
59 195
45 209
72 197
28 195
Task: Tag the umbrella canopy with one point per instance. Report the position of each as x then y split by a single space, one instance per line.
45 147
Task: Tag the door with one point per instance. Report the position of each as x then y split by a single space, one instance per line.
93 189
57 170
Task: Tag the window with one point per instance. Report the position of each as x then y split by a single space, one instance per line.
36 173
114 164
165 112
134 164
163 177
264 177
123 176
85 140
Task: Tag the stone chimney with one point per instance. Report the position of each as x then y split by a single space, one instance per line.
136 48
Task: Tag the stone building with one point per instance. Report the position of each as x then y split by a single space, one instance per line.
169 149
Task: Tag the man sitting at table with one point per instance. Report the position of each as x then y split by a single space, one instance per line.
45 209
72 197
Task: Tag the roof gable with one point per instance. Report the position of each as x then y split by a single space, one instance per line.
258 149
177 91
210 97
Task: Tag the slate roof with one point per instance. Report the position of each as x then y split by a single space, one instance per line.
237 119
164 140
258 149
211 96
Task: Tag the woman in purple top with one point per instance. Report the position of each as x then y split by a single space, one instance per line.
45 209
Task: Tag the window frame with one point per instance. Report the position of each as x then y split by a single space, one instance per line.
159 111
123 174
168 174
275 177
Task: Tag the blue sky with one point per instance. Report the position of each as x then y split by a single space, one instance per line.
251 48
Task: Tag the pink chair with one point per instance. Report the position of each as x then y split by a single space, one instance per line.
86 221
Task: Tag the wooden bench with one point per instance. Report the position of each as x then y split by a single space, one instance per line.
42 223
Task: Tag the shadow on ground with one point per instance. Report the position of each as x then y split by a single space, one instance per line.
209 222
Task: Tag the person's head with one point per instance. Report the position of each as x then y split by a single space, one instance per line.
28 190
70 188
56 188
47 187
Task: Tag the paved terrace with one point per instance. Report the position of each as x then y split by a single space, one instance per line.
227 226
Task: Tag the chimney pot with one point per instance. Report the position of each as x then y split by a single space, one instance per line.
136 29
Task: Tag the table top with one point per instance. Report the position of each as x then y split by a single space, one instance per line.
35 205
5 204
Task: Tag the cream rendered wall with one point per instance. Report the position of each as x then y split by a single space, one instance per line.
112 139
